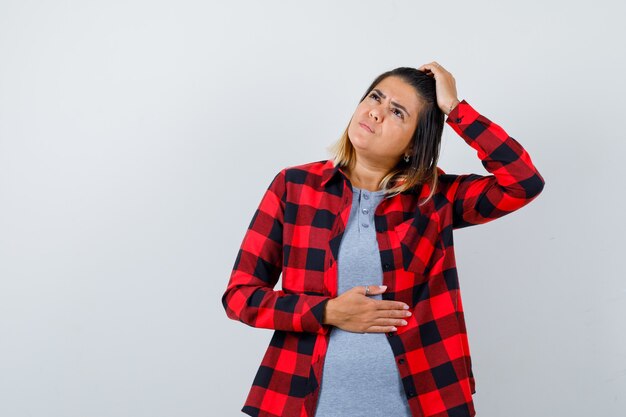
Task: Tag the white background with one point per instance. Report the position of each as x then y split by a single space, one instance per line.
137 138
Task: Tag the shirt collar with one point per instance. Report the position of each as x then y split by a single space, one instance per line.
330 170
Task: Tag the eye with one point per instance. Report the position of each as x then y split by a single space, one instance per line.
396 111
399 113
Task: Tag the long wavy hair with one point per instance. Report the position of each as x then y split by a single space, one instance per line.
426 140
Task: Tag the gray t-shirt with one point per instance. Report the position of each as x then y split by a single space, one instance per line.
360 376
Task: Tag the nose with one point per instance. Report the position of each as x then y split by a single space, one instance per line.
374 114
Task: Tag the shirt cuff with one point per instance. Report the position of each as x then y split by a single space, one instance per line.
462 114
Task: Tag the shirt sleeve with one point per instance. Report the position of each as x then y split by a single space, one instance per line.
250 296
514 180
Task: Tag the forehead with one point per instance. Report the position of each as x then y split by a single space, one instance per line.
399 91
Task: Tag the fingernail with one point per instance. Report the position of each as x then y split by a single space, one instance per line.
406 307
393 329
383 287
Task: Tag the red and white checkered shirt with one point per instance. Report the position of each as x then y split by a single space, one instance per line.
297 230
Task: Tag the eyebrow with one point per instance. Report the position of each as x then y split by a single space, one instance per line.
393 102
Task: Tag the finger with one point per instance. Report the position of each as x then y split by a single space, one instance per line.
425 67
393 314
426 70
430 66
381 329
391 305
383 321
373 289
433 68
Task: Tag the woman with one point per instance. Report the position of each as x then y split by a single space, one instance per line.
380 212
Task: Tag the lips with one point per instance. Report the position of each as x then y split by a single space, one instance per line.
366 127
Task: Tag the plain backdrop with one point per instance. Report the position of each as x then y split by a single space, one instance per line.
138 137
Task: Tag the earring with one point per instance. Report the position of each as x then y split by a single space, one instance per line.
406 158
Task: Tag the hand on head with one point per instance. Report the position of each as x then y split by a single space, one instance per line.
445 86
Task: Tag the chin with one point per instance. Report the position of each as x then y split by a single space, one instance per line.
356 139
357 143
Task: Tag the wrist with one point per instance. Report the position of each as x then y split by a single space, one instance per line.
453 104
327 317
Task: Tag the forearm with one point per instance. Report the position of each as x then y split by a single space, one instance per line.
262 307
500 154
514 179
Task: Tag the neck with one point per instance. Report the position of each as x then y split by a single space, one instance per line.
366 176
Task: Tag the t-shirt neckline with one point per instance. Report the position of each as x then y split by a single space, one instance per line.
376 193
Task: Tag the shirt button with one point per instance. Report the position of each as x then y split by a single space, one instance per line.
386 266
365 225
365 211
458 120
401 361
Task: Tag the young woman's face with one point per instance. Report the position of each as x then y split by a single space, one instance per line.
384 122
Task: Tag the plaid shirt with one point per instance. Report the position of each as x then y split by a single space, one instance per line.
297 230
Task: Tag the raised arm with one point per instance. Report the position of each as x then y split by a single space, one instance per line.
514 180
250 296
